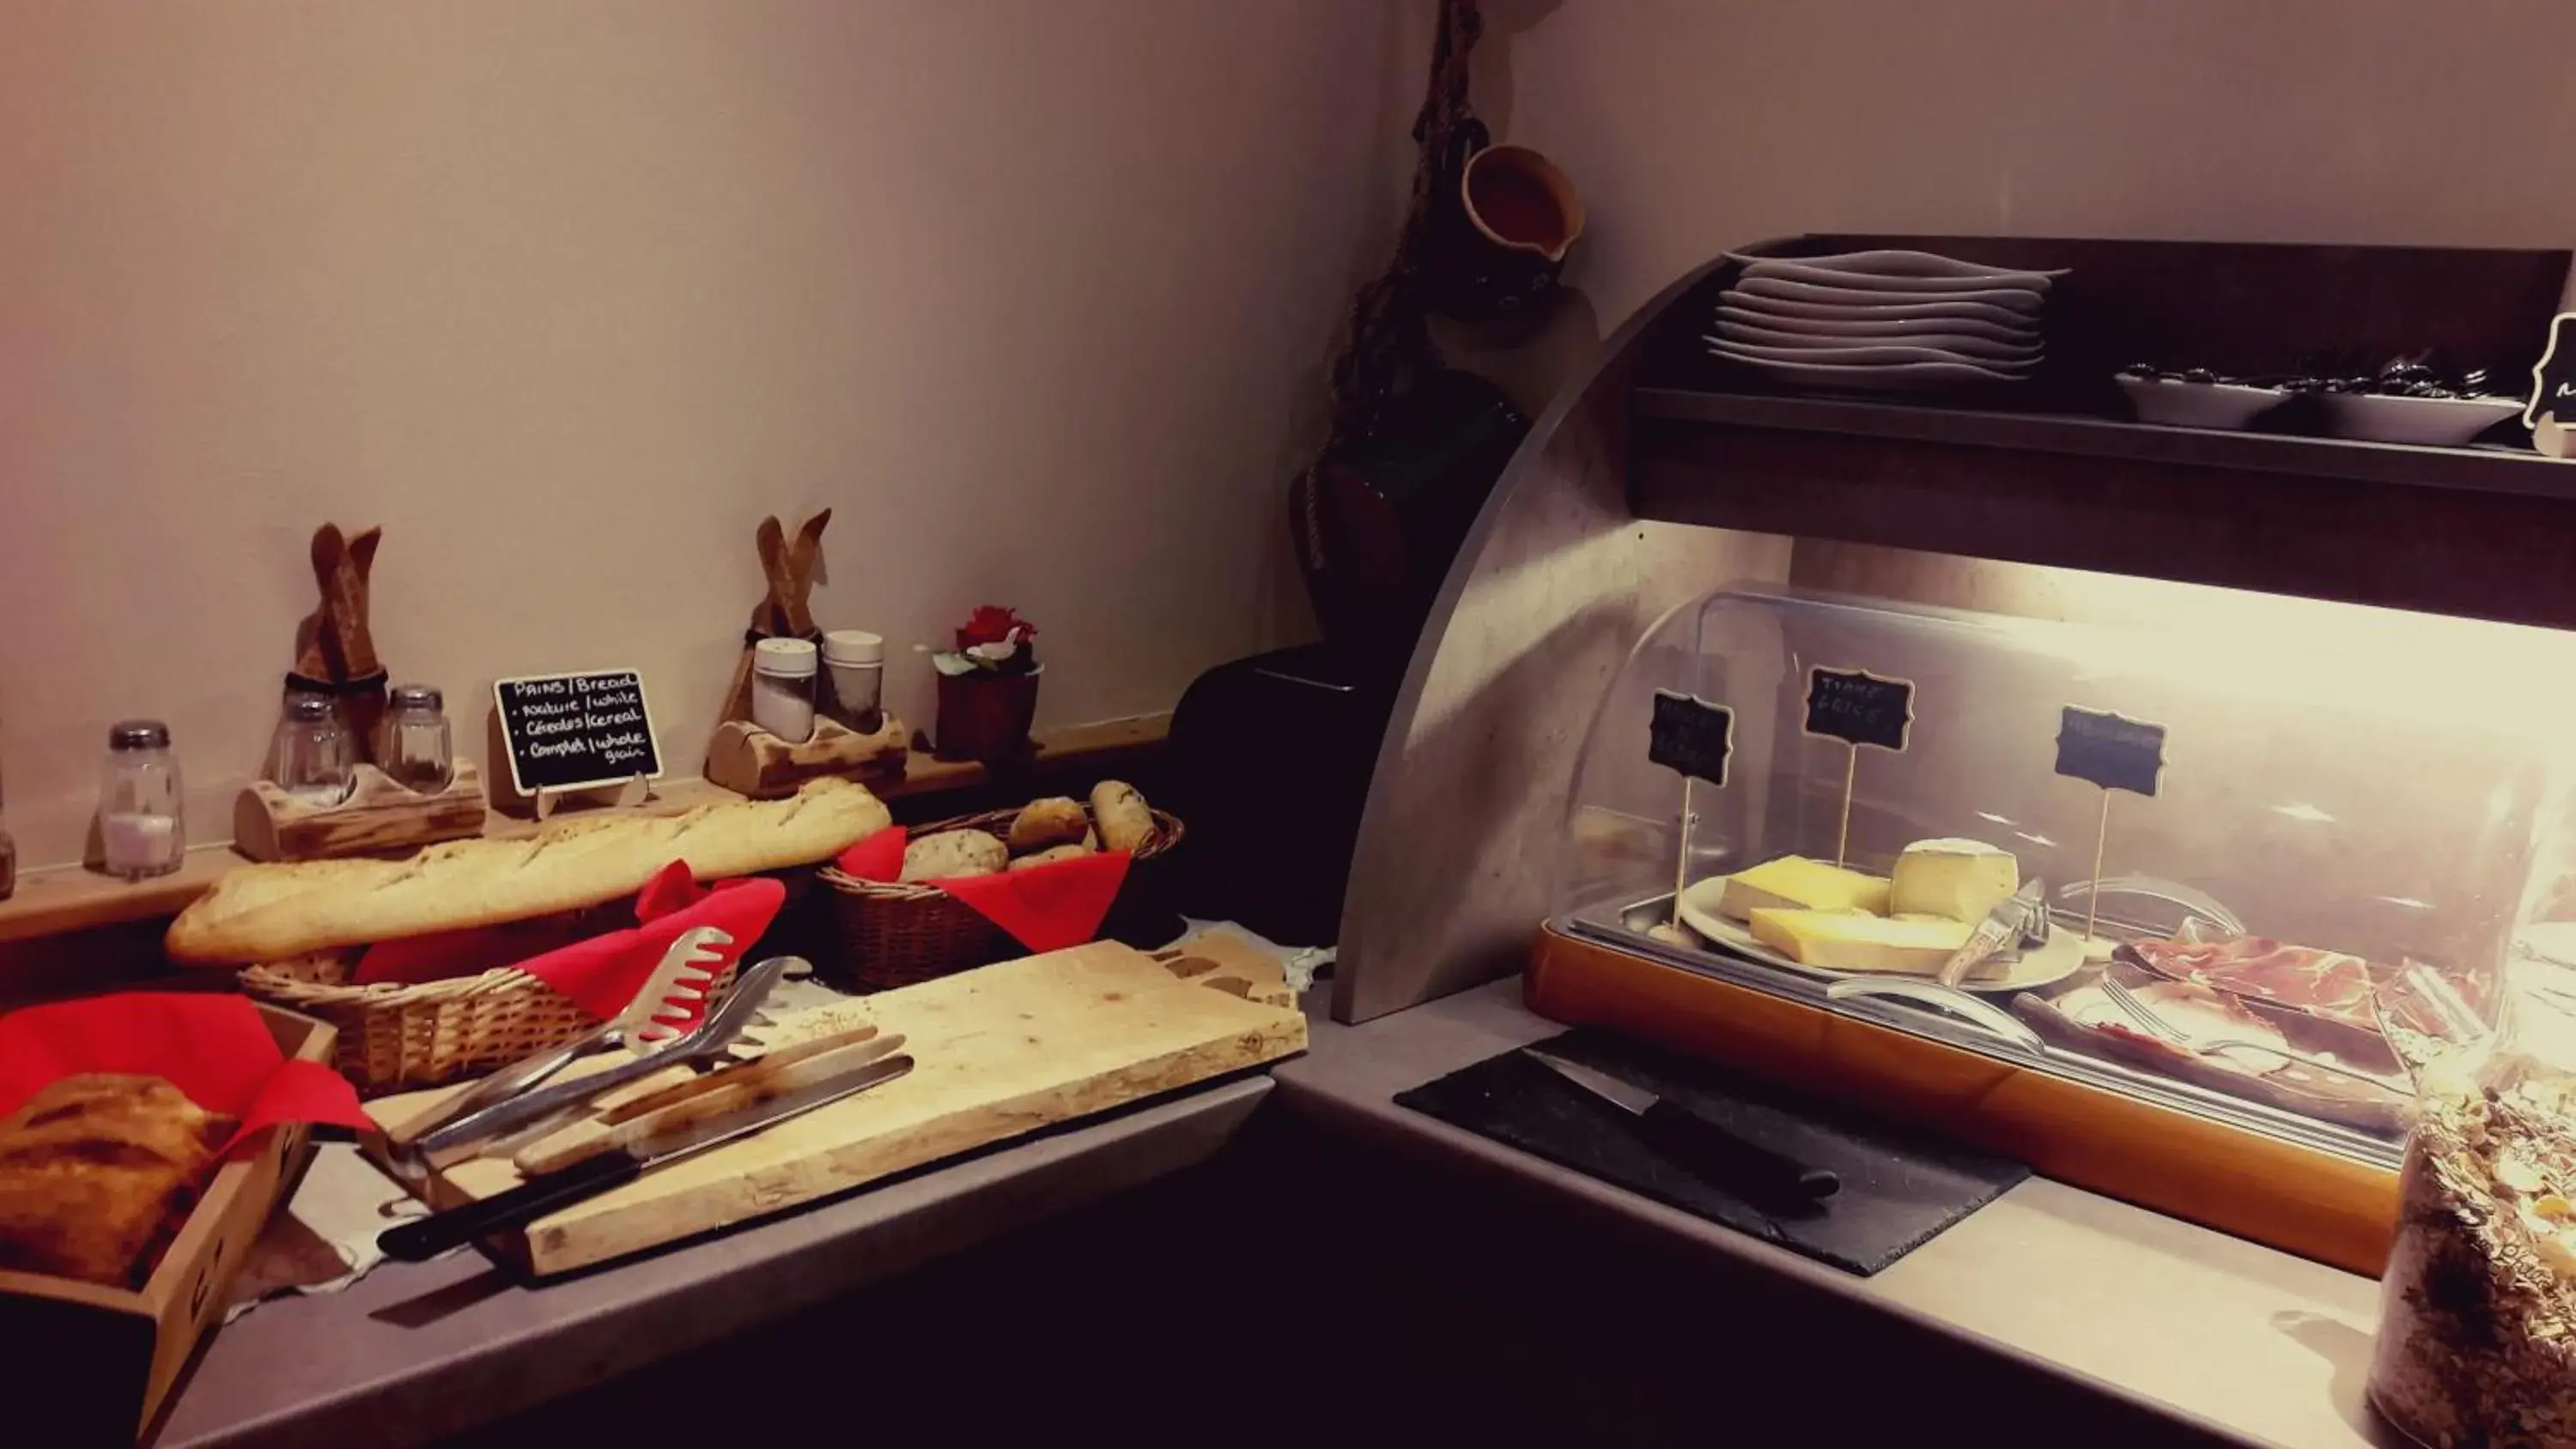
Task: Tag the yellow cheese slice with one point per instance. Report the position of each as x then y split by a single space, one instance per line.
1794 882
1838 941
1958 879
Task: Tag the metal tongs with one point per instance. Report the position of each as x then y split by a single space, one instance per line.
468 1133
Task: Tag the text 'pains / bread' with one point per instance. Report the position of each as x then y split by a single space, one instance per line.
266 912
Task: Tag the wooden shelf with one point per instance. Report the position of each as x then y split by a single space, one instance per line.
70 898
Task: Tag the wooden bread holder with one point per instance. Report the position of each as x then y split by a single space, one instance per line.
749 760
106 1357
379 817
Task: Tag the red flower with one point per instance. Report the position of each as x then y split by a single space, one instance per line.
992 625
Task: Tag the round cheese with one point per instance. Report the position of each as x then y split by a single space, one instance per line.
1957 880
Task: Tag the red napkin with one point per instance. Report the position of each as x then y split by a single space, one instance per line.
600 973
213 1048
1046 908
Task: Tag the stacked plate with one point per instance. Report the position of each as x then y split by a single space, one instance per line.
1882 321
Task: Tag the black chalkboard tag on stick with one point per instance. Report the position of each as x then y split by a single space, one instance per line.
1692 737
566 732
2113 752
1858 708
2552 409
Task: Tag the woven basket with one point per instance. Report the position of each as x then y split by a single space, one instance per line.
894 934
395 1036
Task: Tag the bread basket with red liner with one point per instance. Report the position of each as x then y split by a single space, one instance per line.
476 953
144 1140
909 910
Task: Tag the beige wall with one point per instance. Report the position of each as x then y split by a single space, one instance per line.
1692 126
567 293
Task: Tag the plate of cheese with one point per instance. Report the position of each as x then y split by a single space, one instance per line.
1822 919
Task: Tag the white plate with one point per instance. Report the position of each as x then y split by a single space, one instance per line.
1759 312
1901 377
2198 404
2443 422
1913 264
1806 271
1845 310
1882 356
1785 289
1956 345
2062 957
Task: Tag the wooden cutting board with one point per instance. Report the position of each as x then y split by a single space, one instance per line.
1000 1051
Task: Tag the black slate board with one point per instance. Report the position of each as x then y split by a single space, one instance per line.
1900 1187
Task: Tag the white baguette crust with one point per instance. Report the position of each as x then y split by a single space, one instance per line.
265 912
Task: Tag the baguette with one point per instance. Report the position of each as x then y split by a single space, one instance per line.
265 912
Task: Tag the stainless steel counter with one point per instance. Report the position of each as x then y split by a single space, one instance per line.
2210 1332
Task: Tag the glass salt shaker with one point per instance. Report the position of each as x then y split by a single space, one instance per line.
140 829
311 759
414 744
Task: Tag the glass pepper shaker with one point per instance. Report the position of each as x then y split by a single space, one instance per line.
310 758
414 744
140 829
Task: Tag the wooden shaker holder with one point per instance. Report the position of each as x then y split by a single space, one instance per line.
379 817
749 760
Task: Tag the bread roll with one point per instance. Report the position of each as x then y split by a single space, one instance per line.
1126 821
97 1172
1053 853
265 912
1041 823
954 853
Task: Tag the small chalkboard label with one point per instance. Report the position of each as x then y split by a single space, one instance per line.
574 731
1859 708
2111 750
1691 735
2552 409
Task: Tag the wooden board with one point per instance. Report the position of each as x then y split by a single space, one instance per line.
1001 1051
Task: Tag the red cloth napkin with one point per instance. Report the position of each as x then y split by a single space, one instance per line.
600 973
215 1049
1045 908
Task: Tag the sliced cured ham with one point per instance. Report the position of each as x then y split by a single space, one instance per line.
2327 984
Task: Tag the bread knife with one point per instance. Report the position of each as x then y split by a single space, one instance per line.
424 1238
1756 1173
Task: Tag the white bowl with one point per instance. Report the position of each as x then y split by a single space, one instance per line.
1803 269
2199 404
2020 302
1756 312
2442 422
1912 264
1959 345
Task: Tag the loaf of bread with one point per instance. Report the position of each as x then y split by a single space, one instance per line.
265 912
1053 853
954 853
1126 821
97 1172
1041 823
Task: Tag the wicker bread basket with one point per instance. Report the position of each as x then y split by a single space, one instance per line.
896 934
395 1036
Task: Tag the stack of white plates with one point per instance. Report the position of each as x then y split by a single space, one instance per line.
1884 321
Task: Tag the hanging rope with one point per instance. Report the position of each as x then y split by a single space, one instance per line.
1388 343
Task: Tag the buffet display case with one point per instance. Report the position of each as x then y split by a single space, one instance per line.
2173 911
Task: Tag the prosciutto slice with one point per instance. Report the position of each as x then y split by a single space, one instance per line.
2325 984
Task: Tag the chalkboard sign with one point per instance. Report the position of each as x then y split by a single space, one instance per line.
572 731
2552 409
1858 707
1691 735
2111 750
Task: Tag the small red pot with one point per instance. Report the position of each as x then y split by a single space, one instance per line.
986 717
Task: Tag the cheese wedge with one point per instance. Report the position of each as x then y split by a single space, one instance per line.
1959 879
1794 882
1839 941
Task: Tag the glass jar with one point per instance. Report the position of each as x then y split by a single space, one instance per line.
311 759
140 827
414 745
2477 1332
782 688
854 678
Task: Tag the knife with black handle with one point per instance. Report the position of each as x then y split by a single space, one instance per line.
1767 1179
